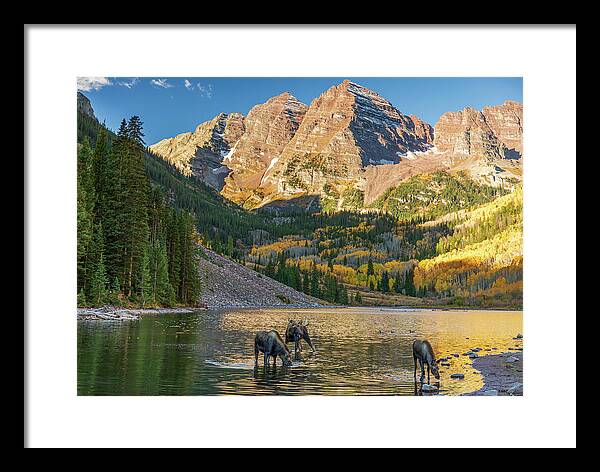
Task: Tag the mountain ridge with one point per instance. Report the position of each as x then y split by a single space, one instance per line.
349 139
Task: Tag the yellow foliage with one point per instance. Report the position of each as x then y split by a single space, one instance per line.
482 268
279 246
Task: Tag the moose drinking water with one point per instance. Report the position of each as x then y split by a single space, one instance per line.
271 344
297 331
423 352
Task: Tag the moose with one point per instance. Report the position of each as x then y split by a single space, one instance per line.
271 345
423 352
295 332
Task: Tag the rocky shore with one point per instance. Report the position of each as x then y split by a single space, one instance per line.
502 374
113 313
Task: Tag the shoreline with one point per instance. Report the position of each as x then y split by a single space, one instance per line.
115 313
502 374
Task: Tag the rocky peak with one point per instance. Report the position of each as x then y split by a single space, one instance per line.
225 130
422 129
200 153
467 133
84 105
382 132
345 129
268 129
506 121
487 144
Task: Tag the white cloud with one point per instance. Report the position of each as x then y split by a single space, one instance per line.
129 83
85 84
162 83
205 90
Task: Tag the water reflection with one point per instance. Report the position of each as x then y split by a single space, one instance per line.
359 352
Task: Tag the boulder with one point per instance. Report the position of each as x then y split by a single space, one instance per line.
516 389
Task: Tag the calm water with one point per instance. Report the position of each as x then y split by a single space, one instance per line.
359 352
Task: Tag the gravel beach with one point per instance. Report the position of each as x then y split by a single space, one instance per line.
502 374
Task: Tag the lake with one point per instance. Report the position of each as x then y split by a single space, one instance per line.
359 351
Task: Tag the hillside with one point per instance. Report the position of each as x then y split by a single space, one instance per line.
228 284
481 261
428 196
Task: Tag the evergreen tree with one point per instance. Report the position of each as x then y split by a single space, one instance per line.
314 282
229 251
189 285
145 280
112 205
101 162
409 283
398 285
385 282
134 132
331 289
270 269
306 283
370 269
174 250
162 289
85 209
97 285
135 220
343 294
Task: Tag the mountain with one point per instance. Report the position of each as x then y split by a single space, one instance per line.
84 106
269 127
344 151
201 152
486 144
345 129
284 149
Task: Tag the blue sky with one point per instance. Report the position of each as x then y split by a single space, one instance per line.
173 105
